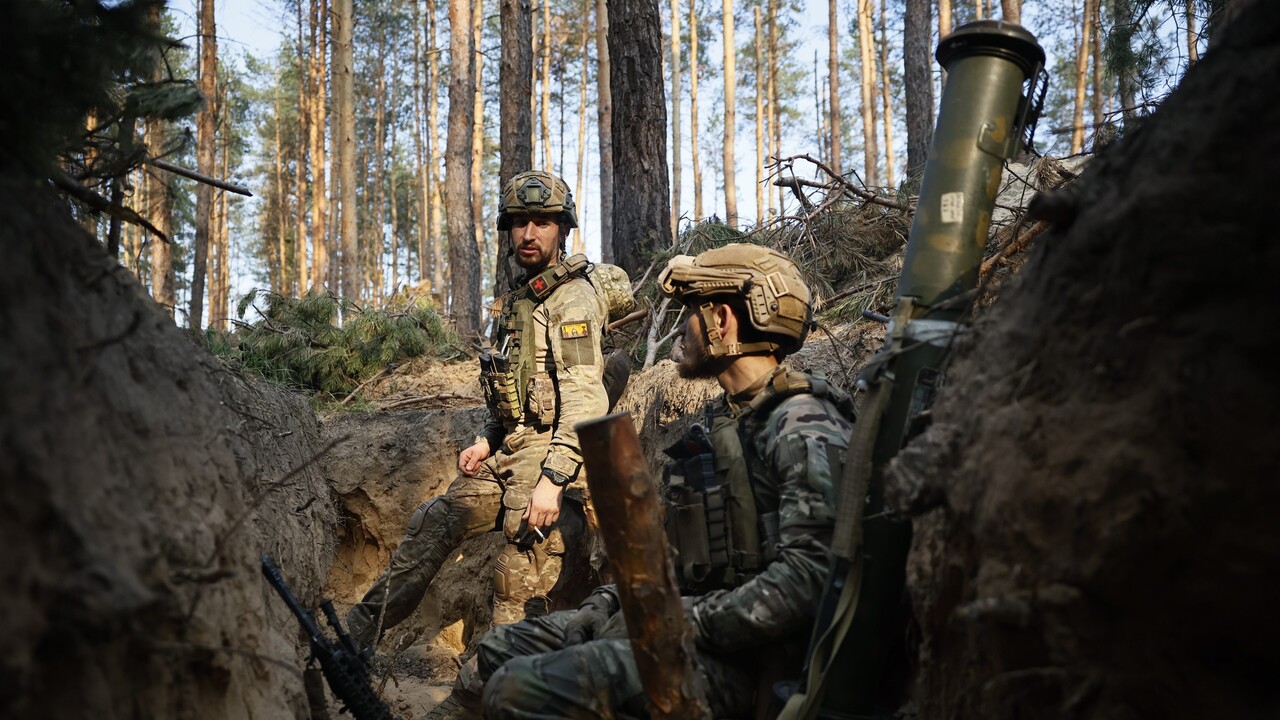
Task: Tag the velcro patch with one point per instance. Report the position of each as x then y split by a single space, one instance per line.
573 330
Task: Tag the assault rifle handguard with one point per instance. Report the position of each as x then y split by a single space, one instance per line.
344 668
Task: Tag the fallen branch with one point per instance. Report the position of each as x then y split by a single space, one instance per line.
854 291
424 398
98 203
1014 247
863 193
193 175
628 319
795 183
361 386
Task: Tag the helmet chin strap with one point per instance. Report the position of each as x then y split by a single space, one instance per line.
717 347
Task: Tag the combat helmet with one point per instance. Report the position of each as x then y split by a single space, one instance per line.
772 292
538 193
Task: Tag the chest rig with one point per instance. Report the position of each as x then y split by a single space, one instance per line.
506 369
716 523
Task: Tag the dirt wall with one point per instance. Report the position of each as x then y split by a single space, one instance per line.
140 480
1094 505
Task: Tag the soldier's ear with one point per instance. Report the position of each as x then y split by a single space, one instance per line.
727 322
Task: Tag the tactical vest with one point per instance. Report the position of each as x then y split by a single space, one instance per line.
720 538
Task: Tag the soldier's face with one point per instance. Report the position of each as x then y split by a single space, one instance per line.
536 239
690 352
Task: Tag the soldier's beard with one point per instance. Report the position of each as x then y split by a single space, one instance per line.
693 358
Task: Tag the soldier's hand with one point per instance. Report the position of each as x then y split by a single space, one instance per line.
590 619
544 504
469 460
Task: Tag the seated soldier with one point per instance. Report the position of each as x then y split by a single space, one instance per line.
778 440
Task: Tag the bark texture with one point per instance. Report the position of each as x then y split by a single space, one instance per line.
641 196
730 115
464 257
344 138
205 159
515 82
918 63
1093 507
604 121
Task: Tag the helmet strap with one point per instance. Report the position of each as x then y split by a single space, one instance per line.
718 348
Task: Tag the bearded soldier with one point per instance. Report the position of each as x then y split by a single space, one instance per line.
750 495
542 375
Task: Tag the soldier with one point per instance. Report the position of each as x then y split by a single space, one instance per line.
543 375
770 453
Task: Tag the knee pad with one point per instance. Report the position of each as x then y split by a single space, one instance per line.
505 577
437 508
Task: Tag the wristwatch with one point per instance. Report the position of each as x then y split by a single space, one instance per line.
556 478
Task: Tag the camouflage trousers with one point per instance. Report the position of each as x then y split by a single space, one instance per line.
494 497
525 671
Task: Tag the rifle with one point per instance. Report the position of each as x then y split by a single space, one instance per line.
345 668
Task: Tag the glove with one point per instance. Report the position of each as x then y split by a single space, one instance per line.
591 617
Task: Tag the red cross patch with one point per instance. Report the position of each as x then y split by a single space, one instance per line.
539 284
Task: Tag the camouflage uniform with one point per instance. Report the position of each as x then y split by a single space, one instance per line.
564 387
794 451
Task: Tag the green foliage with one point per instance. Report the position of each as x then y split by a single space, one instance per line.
299 343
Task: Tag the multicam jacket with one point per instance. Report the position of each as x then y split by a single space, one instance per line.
794 450
559 364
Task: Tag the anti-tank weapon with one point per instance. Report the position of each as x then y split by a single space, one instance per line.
995 88
345 668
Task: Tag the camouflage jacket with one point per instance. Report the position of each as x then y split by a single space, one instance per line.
795 455
565 383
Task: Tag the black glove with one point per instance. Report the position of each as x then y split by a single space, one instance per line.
592 615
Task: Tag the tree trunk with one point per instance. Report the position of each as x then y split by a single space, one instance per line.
546 87
885 92
300 165
917 61
1082 69
319 198
771 98
870 151
979 8
159 191
833 73
205 159
604 119
693 110
464 259
676 73
515 81
421 148
944 29
730 115
344 138
435 213
1099 89
477 136
279 200
760 117
377 232
641 196
1012 10
579 245
1193 49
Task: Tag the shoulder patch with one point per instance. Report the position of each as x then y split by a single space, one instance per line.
573 330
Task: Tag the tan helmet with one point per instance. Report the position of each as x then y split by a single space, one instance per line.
537 193
769 283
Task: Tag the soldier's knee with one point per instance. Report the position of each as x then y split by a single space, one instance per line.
501 696
430 513
506 575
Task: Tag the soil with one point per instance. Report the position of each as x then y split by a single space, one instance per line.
1094 505
142 481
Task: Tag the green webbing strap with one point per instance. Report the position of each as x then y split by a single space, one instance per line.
743 521
848 551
